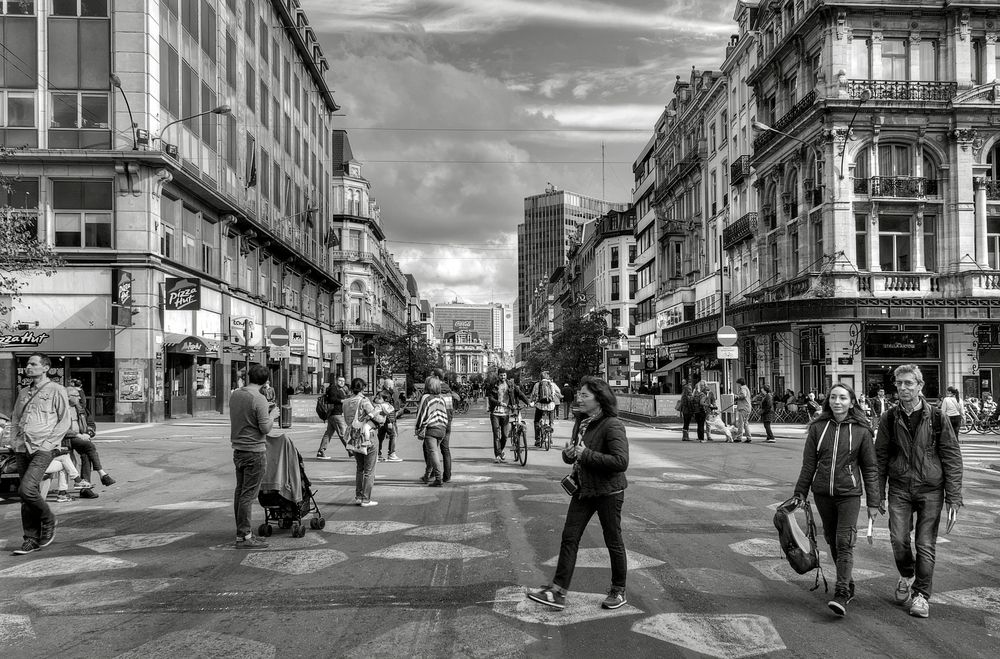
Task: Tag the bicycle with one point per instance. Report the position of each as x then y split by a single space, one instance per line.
545 433
519 439
462 407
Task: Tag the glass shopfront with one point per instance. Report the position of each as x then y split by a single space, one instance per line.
890 346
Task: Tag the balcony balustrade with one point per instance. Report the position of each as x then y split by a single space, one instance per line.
739 170
785 121
899 187
740 230
904 90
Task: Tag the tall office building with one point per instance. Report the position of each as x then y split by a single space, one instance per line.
486 319
551 223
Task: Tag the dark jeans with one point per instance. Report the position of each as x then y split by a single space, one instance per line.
539 415
336 424
956 422
926 506
840 528
501 430
699 417
364 477
445 447
250 467
89 459
609 512
387 429
569 404
769 434
687 421
35 513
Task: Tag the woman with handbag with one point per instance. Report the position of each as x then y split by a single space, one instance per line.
433 424
364 417
599 455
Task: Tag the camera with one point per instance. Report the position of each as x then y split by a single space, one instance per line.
569 484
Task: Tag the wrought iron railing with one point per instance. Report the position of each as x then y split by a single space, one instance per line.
740 230
739 170
897 186
785 121
903 90
992 189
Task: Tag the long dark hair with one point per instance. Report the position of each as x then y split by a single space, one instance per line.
855 414
602 394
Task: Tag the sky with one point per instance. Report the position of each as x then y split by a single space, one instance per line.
459 109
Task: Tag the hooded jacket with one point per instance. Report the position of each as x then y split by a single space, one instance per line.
602 463
837 459
930 459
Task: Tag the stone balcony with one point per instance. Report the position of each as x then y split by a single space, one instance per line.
920 91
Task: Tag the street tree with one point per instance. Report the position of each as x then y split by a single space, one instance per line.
409 353
576 348
538 358
22 255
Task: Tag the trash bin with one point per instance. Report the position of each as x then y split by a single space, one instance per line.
286 416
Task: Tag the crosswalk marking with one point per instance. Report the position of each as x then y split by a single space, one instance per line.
980 455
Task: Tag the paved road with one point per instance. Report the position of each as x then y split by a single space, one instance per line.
146 570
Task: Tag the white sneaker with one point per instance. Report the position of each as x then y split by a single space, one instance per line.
903 590
393 458
367 504
919 608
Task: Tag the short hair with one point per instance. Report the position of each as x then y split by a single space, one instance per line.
357 385
501 371
767 388
259 374
72 391
740 381
43 358
433 386
909 369
602 393
545 375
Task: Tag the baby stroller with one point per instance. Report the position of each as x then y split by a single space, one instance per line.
286 494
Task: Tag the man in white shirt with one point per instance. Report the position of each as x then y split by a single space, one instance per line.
545 397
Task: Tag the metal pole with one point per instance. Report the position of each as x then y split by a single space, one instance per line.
722 316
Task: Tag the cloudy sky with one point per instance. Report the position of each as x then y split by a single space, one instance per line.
458 109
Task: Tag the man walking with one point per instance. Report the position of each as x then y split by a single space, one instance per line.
920 458
767 413
568 395
335 422
250 422
40 420
743 407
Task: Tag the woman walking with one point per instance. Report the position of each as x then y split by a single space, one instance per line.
433 424
361 417
839 454
599 455
951 406
686 409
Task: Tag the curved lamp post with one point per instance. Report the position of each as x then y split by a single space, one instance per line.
222 109
117 82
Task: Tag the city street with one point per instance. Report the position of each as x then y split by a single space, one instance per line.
147 570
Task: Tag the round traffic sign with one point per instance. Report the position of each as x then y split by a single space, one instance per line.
347 340
278 336
726 335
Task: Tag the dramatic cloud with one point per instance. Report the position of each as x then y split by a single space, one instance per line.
458 109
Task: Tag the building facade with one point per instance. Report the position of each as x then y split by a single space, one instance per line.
488 320
177 155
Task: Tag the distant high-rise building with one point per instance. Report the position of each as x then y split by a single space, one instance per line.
486 319
551 222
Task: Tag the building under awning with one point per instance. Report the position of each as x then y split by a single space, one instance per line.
674 365
186 344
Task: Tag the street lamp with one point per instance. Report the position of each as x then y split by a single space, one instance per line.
222 109
866 95
117 82
760 126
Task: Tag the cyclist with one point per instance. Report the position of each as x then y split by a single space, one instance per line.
545 397
503 397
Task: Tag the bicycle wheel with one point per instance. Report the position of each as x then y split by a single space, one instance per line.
522 457
547 438
515 444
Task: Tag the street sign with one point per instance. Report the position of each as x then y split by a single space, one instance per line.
278 336
726 335
727 352
281 352
297 339
347 340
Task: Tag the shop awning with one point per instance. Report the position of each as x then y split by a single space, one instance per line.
186 344
677 363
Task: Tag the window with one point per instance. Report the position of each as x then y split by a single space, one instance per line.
817 231
84 118
251 86
170 80
82 212
209 122
927 53
230 60
978 61
167 241
265 94
895 160
209 30
894 243
616 293
614 257
791 85
724 126
861 241
19 7
19 66
633 286
264 41
993 242
712 140
632 249
189 17
930 243
676 259
775 263
860 60
17 113
793 262
616 318
249 24
895 65
92 8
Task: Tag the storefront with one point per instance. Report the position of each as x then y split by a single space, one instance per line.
888 346
192 372
987 347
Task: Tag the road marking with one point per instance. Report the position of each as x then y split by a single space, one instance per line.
282 542
425 551
95 594
713 505
15 628
735 487
722 582
752 481
50 567
684 476
500 487
471 633
560 499
727 636
979 532
780 570
125 429
133 541
959 555
295 562
598 558
365 527
512 602
453 532
984 598
417 494
469 478
192 505
200 643
757 547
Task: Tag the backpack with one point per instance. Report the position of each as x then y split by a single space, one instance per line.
322 411
799 547
544 392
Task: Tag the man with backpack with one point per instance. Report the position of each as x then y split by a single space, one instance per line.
920 459
545 397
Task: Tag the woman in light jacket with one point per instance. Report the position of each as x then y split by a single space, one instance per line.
951 406
599 455
839 456
359 410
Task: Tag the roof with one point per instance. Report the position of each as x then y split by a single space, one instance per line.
342 152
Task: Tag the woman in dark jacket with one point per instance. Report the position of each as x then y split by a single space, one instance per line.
599 455
767 413
839 455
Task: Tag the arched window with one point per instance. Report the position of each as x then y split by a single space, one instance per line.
895 160
770 207
931 173
790 196
993 160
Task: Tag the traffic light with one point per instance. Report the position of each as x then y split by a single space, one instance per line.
368 350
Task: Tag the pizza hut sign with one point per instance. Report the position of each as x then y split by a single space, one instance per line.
182 294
